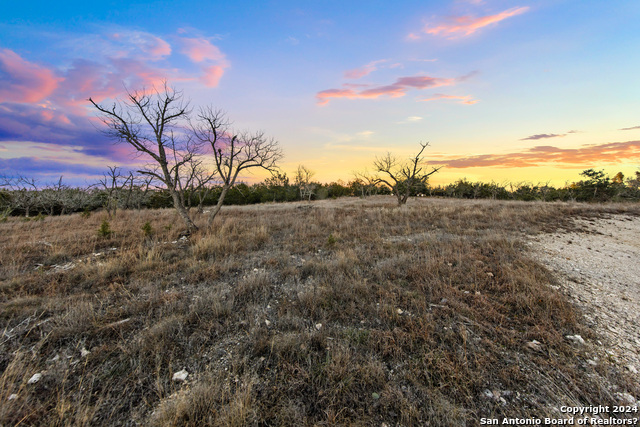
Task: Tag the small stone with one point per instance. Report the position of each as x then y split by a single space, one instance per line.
534 345
592 362
180 376
399 311
84 352
13 397
632 369
375 395
318 326
35 378
267 322
490 274
488 394
576 339
626 397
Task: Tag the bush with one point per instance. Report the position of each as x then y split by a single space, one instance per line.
105 229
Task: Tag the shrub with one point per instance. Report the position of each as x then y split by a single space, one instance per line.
147 229
105 229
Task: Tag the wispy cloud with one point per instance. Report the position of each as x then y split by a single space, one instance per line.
545 155
357 73
463 26
24 81
397 89
631 128
548 135
410 119
543 136
212 61
466 99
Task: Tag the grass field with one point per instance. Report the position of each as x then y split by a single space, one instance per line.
345 312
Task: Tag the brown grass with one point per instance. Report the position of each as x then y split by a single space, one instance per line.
347 312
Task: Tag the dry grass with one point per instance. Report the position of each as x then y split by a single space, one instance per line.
348 312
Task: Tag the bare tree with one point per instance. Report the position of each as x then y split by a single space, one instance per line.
23 193
303 181
233 153
402 177
154 124
366 182
112 182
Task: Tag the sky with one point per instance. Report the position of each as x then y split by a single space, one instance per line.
504 91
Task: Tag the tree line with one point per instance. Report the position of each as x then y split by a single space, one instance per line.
119 190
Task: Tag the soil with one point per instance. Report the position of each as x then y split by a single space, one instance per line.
596 263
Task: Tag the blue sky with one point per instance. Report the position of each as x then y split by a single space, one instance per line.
503 90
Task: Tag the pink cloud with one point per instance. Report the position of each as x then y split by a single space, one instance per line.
462 26
139 44
585 156
24 80
212 75
201 49
463 99
395 90
357 73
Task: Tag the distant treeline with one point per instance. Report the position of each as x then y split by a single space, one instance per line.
22 196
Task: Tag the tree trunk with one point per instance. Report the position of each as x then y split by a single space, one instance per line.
218 205
182 211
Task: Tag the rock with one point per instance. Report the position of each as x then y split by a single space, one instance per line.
267 322
180 376
576 339
375 395
488 395
399 311
13 397
35 378
626 397
84 352
318 326
632 369
534 345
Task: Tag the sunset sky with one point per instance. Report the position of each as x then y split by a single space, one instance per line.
503 90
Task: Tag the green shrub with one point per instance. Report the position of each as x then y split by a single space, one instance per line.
147 229
105 229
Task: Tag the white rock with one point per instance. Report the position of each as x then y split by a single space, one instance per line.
399 311
626 397
267 322
13 397
576 339
35 378
180 376
534 345
488 394
318 326
632 369
84 352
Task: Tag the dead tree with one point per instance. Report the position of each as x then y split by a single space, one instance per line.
112 182
402 177
153 123
303 181
233 152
